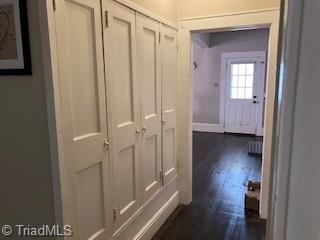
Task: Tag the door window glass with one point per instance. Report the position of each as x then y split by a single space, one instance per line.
242 81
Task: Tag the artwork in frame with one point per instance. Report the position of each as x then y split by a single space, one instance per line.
14 38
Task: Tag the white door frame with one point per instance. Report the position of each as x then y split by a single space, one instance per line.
228 22
261 56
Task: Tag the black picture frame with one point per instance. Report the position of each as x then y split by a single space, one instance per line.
27 69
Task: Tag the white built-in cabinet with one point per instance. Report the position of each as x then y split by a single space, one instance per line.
117 74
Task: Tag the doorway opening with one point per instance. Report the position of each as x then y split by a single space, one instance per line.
232 75
269 19
228 107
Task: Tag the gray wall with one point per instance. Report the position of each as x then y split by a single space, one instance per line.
25 176
206 78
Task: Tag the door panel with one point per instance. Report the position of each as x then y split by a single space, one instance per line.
148 32
83 82
126 192
91 205
83 105
122 89
242 89
169 103
124 84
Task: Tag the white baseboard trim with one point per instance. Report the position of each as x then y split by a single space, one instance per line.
206 127
149 217
154 224
260 132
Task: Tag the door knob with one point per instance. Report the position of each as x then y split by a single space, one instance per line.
138 131
144 129
255 102
164 122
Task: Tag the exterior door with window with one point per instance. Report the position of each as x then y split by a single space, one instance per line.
244 95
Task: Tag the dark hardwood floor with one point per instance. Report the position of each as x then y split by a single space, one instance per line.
221 169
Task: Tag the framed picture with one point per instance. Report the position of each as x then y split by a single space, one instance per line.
14 38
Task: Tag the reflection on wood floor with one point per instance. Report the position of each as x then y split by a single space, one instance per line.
221 169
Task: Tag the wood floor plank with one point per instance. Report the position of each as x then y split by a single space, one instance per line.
221 169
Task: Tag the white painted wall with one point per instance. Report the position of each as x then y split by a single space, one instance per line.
206 78
202 39
167 9
303 219
196 8
201 81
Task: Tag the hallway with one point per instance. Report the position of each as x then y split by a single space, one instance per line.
219 177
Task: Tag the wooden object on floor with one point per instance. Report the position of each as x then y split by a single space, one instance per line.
252 197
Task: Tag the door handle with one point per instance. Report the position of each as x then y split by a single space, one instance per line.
144 129
164 122
138 131
255 102
106 144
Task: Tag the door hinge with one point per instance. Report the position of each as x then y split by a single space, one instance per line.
107 18
54 5
114 215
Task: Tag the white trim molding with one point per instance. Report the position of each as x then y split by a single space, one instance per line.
52 86
154 224
293 16
207 127
256 19
244 54
230 14
146 12
144 223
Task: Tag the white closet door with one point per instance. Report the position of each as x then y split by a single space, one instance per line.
148 32
169 54
81 76
121 64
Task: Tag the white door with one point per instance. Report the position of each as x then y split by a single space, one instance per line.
81 75
122 92
244 95
148 32
169 57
